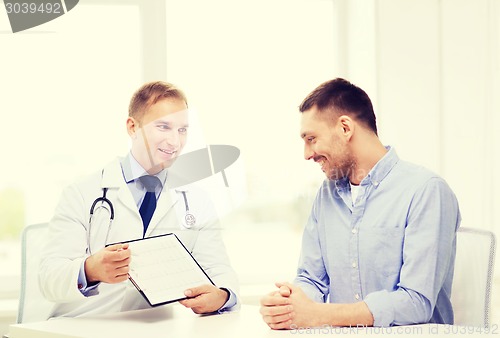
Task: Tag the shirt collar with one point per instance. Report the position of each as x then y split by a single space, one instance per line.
132 170
377 174
382 168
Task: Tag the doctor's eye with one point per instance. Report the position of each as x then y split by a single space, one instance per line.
310 139
163 126
182 130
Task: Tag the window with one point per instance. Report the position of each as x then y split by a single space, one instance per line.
246 66
65 85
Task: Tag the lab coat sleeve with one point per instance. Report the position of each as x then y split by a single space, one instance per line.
210 252
65 250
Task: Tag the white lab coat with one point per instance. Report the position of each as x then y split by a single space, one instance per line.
67 246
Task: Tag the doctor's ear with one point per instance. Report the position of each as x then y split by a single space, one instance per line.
132 127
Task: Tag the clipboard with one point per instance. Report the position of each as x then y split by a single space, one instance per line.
161 269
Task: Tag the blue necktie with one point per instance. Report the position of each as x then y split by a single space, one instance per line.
148 205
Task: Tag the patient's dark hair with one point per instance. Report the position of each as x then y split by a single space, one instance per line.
338 97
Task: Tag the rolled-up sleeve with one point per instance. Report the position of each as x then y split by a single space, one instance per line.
312 275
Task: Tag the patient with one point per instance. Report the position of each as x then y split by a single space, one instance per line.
379 246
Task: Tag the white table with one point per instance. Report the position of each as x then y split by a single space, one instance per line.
177 321
165 321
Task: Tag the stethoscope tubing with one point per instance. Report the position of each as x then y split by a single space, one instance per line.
103 199
189 218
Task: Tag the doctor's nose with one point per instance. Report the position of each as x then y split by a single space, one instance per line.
173 139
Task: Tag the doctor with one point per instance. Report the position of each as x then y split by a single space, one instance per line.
84 277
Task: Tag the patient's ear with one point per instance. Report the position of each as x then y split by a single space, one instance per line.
347 126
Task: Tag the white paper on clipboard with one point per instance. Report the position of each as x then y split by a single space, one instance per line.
161 268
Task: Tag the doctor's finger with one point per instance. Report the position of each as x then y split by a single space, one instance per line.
117 247
121 271
118 256
199 290
122 263
120 278
190 303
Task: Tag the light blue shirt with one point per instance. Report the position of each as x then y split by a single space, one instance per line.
394 249
132 170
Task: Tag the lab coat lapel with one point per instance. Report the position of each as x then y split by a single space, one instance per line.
163 207
113 179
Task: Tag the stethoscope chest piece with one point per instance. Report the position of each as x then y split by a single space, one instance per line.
190 219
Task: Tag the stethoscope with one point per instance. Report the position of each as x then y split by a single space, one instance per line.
107 205
189 217
109 208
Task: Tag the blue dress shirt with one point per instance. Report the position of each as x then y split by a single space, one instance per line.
394 248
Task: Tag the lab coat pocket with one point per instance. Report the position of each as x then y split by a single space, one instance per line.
188 238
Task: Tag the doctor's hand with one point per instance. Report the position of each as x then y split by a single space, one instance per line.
108 265
205 298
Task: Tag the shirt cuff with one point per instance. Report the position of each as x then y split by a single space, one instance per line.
231 303
380 305
85 289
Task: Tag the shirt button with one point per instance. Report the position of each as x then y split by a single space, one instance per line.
354 264
356 296
354 231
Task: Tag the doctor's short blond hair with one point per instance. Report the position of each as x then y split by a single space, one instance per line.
149 94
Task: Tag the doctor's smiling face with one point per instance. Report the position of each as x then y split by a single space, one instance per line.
160 134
